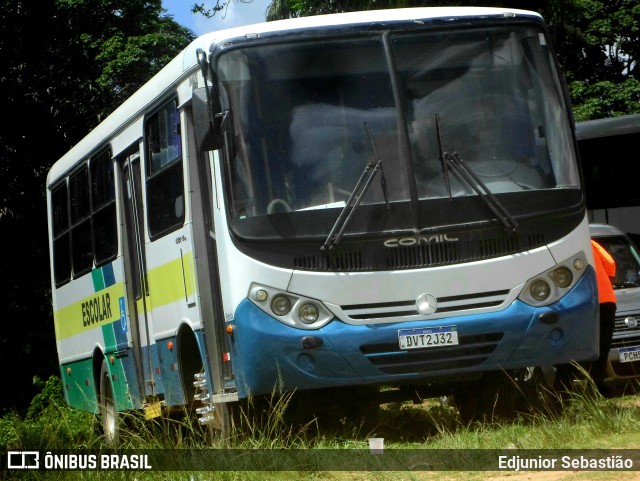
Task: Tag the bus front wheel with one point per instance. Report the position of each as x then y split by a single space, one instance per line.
107 405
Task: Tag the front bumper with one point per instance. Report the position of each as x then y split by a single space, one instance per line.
268 355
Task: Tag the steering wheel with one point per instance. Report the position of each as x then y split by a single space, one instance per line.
277 202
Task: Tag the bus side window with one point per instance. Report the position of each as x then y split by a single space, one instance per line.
165 192
81 240
61 238
103 208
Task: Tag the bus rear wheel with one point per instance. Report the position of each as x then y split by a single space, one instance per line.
107 404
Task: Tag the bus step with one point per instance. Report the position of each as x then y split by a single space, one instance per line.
202 394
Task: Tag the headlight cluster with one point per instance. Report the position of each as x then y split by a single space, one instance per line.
293 310
552 285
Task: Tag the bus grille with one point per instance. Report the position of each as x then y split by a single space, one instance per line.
393 311
474 248
472 351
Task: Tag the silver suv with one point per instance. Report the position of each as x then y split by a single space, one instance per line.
624 356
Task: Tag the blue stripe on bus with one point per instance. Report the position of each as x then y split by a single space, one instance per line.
107 275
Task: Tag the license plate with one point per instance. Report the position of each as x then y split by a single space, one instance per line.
629 354
428 337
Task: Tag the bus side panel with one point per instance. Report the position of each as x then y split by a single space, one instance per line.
80 390
171 382
120 364
96 317
79 386
170 358
172 294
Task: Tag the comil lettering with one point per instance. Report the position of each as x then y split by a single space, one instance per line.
420 239
96 310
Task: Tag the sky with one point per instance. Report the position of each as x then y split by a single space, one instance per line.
238 12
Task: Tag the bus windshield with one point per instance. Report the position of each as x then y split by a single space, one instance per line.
302 112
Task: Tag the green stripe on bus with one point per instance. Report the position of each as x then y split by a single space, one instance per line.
167 284
98 280
109 337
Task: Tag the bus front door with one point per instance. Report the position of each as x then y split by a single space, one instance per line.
137 286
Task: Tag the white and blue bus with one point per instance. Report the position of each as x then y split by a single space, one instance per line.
361 200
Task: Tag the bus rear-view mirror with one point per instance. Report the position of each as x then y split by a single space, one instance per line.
206 124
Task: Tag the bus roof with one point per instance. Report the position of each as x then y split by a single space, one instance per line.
591 129
366 17
125 122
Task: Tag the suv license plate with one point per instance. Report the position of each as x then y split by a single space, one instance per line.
428 337
629 354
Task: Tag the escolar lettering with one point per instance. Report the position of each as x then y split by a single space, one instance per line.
96 310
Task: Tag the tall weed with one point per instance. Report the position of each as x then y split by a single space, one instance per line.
586 420
49 423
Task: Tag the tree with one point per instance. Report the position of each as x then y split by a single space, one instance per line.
64 65
598 42
280 9
218 7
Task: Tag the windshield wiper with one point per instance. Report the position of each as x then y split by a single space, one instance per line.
472 180
443 162
355 198
383 179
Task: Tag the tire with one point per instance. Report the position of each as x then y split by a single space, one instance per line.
108 411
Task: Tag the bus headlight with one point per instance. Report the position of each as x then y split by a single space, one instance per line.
281 305
562 276
551 285
308 313
260 295
289 308
540 290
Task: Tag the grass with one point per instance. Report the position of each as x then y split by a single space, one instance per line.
587 421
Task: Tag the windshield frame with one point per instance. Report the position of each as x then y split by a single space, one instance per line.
284 226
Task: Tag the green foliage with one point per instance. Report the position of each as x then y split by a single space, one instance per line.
588 421
49 423
279 9
129 61
605 99
266 423
210 12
